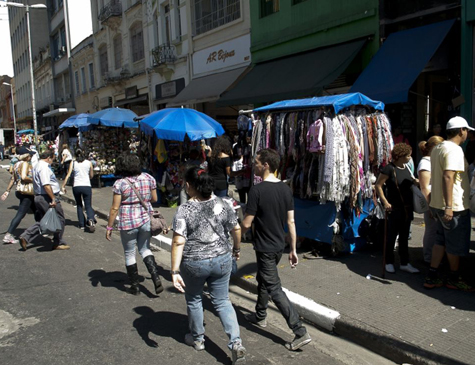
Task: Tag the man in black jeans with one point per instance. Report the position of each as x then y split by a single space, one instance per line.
270 206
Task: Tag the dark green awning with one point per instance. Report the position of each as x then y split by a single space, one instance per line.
292 77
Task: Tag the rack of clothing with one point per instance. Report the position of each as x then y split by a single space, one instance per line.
331 148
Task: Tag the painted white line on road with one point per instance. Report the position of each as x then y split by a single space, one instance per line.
316 313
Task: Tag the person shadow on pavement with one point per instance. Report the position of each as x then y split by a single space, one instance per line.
117 280
173 325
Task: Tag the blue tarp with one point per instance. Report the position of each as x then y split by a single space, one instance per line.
26 131
399 61
313 220
338 102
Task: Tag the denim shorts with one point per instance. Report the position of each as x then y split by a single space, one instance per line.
455 234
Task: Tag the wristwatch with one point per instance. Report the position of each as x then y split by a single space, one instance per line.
175 272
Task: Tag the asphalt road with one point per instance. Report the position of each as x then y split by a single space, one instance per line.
70 307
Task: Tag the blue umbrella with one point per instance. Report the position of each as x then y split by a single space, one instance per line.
174 123
114 117
76 121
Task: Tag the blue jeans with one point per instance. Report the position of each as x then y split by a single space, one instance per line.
26 202
215 272
139 237
83 193
221 193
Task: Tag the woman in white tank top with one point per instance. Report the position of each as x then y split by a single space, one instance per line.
82 171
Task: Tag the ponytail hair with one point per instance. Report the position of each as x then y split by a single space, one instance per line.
200 180
423 148
426 147
79 155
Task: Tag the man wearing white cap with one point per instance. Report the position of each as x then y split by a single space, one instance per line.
449 204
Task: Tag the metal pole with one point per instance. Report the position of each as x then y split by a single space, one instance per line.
30 56
13 113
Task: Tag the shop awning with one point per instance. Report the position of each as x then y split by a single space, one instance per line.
131 101
338 102
296 76
399 61
59 111
207 88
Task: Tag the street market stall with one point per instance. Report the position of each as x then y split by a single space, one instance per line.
25 136
331 148
172 134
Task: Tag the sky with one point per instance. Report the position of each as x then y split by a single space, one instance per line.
80 23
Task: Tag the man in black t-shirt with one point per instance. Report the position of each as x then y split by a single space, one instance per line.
270 206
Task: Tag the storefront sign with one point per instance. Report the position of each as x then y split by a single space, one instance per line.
131 92
169 89
230 53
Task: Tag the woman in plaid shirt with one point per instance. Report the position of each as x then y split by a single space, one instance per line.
134 219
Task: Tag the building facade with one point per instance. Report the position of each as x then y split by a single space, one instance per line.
20 56
6 111
169 40
121 55
219 43
62 106
84 82
303 48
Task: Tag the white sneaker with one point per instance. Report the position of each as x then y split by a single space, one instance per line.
390 268
409 268
10 239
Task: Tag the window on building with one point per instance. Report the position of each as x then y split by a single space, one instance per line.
76 80
118 51
62 33
269 7
136 39
103 60
178 18
56 45
91 76
211 14
83 79
168 26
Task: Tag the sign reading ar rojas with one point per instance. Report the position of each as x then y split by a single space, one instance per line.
231 53
220 55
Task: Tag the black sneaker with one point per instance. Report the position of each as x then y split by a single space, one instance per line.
431 283
459 284
251 318
298 342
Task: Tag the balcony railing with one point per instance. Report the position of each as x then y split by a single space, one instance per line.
113 9
164 54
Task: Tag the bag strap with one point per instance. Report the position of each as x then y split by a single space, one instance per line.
138 195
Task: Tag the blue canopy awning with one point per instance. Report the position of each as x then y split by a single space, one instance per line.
338 102
399 61
26 131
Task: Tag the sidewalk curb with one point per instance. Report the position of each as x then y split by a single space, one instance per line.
380 342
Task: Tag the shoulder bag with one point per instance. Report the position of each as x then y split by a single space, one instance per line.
24 187
157 221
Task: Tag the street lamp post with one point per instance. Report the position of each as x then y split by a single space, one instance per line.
30 58
13 111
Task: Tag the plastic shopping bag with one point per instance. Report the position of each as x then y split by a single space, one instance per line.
50 223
